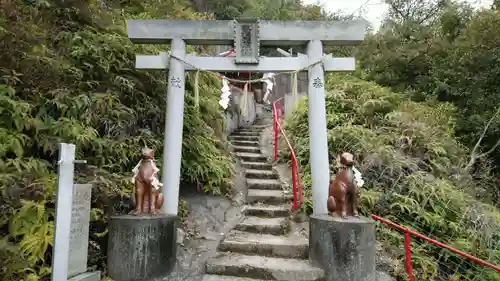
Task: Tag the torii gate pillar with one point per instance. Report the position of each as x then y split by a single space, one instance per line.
247 38
172 150
318 136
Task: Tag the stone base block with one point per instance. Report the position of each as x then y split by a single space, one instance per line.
343 248
141 248
88 276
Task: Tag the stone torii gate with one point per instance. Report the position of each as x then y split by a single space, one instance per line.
247 37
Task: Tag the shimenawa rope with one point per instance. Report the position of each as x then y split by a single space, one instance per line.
293 73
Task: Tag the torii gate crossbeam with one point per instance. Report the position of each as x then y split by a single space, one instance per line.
247 38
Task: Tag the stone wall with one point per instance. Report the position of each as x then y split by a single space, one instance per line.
240 112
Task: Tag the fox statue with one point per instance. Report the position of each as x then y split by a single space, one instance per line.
146 196
343 191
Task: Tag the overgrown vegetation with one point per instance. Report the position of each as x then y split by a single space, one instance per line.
413 168
67 75
262 9
444 51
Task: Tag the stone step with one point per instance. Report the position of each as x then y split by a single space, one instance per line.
267 268
267 184
260 174
210 277
264 125
266 245
266 121
276 226
257 165
245 143
246 149
251 157
257 126
272 197
246 133
261 210
253 128
244 138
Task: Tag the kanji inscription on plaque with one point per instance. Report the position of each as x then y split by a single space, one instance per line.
246 42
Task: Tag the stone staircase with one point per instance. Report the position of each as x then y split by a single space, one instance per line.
261 246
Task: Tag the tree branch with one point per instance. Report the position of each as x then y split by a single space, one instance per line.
433 11
490 151
395 8
416 13
473 155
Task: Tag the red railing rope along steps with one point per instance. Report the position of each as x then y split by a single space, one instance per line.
408 233
298 196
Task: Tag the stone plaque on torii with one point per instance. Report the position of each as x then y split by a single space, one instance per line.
247 37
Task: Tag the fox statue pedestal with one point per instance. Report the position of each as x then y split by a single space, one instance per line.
142 248
343 248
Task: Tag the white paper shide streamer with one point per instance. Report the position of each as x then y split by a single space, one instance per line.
244 101
154 179
225 93
358 177
268 80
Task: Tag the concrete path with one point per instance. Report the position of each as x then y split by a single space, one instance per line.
261 246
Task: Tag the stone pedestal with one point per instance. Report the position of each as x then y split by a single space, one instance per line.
141 248
343 248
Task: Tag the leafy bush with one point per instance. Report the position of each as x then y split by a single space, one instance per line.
67 75
453 56
412 166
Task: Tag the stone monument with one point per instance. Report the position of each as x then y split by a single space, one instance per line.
71 239
79 235
341 242
142 245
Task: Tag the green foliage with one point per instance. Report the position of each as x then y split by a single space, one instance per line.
67 75
261 9
412 166
452 58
